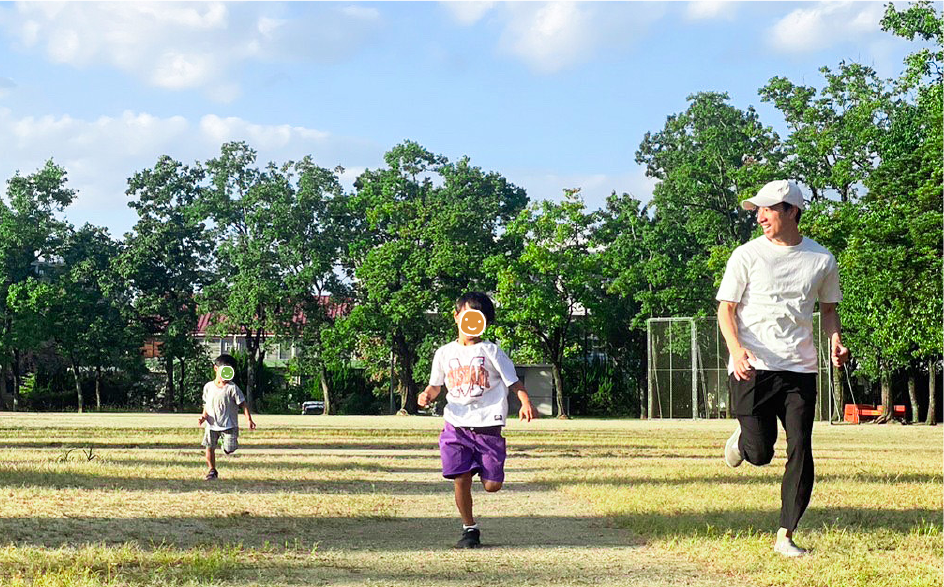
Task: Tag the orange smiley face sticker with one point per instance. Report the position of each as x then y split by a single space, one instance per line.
472 323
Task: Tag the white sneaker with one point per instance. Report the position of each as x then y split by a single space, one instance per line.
787 547
732 455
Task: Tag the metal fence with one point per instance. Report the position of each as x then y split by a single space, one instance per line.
688 376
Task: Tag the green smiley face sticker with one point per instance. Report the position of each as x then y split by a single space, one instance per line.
227 373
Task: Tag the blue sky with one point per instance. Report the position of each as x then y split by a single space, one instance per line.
551 95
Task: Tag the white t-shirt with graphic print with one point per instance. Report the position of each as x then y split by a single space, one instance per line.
776 288
477 378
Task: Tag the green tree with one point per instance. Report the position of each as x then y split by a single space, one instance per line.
875 304
163 260
911 179
70 307
921 19
247 293
419 232
833 131
706 160
307 229
111 339
30 240
624 239
542 290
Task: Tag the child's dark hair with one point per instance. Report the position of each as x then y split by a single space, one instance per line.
477 300
225 360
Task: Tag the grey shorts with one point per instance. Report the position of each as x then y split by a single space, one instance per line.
211 439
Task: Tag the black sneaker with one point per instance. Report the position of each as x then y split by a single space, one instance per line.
470 539
211 475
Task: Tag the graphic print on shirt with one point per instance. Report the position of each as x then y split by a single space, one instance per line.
467 380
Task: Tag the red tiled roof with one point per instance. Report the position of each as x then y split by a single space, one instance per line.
334 309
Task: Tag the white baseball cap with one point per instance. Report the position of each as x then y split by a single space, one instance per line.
773 193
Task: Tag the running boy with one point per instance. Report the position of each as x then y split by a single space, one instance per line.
222 400
478 376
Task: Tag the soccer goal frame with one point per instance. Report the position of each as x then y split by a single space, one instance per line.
687 374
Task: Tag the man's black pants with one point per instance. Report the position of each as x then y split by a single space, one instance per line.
758 403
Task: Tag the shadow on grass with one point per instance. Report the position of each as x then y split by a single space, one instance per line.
772 474
716 522
231 479
407 534
247 462
395 534
229 482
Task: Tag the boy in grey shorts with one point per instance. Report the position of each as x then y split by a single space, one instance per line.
222 400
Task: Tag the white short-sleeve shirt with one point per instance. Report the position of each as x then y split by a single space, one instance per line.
477 378
222 405
776 288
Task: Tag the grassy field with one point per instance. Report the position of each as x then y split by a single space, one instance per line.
119 499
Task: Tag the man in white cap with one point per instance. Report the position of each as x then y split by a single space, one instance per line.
767 297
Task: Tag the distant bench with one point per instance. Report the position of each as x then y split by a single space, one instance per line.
855 413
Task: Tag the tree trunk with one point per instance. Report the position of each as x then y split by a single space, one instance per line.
169 383
98 389
404 359
932 394
78 383
17 381
251 369
183 382
913 396
886 416
253 360
325 388
839 391
559 390
5 398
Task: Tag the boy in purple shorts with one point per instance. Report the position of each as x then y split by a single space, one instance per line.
478 376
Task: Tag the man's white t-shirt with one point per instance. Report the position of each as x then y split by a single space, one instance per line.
477 378
776 288
222 405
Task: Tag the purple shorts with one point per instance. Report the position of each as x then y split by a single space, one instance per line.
475 450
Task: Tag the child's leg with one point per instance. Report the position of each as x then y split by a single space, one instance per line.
490 447
210 440
463 485
230 442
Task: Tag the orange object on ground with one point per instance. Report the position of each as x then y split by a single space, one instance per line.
854 413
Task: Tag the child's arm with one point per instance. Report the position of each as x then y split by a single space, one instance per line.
429 394
203 417
526 412
245 407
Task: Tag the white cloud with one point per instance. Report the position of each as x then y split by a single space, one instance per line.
264 137
825 24
468 13
361 12
594 188
709 9
101 154
551 35
177 71
181 46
